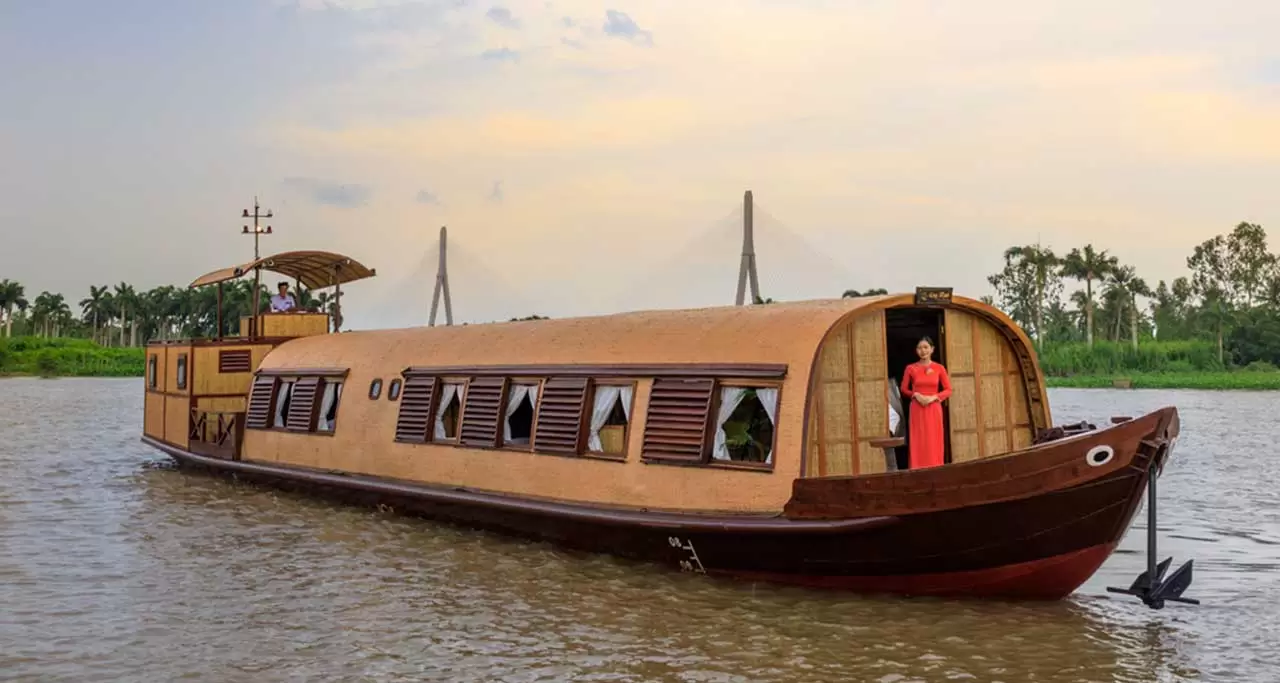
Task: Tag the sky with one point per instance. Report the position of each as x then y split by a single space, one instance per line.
591 157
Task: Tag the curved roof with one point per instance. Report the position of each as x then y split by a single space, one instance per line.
789 332
314 269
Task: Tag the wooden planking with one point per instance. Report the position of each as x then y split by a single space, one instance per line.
303 404
482 413
261 403
416 420
169 374
153 418
177 419
560 415
677 422
234 360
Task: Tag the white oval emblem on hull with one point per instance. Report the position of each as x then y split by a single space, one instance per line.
1099 455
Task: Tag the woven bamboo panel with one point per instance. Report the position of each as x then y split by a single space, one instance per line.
869 351
870 460
873 408
963 404
1021 438
813 455
992 348
837 427
959 340
964 446
996 442
839 459
835 356
994 413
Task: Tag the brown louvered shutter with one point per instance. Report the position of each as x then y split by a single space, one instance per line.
235 360
302 405
560 416
260 403
676 425
417 404
482 414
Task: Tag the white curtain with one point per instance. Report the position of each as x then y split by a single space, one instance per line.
514 398
326 404
606 396
282 395
446 396
730 397
895 407
625 396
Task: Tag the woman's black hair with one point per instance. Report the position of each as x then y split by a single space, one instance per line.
926 339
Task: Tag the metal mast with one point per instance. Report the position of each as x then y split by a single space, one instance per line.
257 232
748 266
442 284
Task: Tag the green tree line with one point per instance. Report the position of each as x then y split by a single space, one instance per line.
1228 302
121 316
1225 312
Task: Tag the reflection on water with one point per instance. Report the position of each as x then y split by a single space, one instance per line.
114 566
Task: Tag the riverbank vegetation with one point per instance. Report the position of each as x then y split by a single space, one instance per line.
67 357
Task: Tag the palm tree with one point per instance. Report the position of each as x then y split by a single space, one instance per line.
126 304
94 307
1043 264
1088 265
11 297
1126 286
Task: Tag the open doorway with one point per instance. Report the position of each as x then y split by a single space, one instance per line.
903 328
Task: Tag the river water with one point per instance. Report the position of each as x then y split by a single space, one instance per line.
116 567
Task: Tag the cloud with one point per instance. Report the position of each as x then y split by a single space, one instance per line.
427 197
344 195
502 17
501 54
495 193
619 25
573 43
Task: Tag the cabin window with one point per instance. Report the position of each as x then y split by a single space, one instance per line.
328 417
393 391
151 371
283 397
745 425
261 408
522 404
610 415
450 409
375 389
182 371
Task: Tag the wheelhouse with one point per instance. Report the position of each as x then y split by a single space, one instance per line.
197 389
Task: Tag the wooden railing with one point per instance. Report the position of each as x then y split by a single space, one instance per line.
216 434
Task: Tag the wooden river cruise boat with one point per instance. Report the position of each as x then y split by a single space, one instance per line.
750 442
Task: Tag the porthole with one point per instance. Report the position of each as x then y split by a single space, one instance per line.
393 391
1099 456
375 389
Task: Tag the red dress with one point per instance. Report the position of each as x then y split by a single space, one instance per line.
925 439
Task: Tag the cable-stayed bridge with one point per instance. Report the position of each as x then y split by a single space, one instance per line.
700 271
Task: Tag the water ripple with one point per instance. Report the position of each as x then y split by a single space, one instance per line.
115 566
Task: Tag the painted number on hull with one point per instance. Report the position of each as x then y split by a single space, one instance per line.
693 564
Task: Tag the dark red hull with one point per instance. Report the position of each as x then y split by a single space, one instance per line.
1033 525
